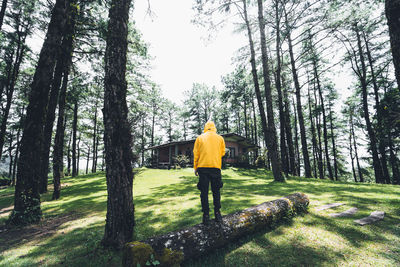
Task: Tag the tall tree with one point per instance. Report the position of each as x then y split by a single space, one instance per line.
272 143
22 22
117 136
27 197
303 135
63 61
392 11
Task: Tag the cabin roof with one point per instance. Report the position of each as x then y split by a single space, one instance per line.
230 137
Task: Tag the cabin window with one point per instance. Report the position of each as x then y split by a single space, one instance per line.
231 152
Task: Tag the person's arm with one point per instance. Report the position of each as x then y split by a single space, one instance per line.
196 154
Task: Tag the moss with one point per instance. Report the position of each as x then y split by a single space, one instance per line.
171 258
136 253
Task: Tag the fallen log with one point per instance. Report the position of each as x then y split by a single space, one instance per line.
172 248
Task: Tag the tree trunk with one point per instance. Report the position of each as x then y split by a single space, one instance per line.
58 153
255 126
74 133
10 149
87 160
142 144
303 135
79 154
319 150
278 85
296 138
27 197
16 156
254 74
10 85
381 134
360 175
97 151
63 62
392 11
2 12
272 143
314 139
69 155
324 121
117 136
94 138
371 133
334 149
288 131
394 163
351 156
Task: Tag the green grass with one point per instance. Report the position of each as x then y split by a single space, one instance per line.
166 200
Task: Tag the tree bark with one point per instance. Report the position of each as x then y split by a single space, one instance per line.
392 11
79 154
16 156
255 126
351 155
360 175
58 153
303 135
394 163
117 135
69 155
94 139
313 137
87 160
74 133
296 138
381 133
272 143
27 197
2 12
288 131
334 149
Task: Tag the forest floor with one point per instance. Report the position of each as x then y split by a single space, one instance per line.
167 200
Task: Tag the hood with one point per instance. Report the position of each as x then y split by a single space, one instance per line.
210 126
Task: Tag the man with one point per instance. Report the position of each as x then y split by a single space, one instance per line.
208 151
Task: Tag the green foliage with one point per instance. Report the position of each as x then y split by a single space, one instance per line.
182 160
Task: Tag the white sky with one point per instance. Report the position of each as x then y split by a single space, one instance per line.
183 55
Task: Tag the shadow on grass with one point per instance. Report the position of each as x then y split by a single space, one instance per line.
79 247
258 250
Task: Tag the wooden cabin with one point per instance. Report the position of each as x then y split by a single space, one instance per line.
239 148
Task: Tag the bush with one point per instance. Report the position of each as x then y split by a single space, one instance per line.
182 160
4 181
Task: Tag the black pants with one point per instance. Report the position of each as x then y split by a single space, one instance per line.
207 175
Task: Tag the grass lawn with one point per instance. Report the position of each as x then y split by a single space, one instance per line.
166 200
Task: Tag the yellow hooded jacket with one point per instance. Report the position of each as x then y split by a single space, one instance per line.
209 148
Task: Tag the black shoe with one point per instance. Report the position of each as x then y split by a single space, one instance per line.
218 217
206 219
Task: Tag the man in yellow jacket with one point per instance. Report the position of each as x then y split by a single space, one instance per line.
208 151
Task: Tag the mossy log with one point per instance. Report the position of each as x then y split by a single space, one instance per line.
200 239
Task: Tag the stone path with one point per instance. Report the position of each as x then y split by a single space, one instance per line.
328 206
346 213
374 217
